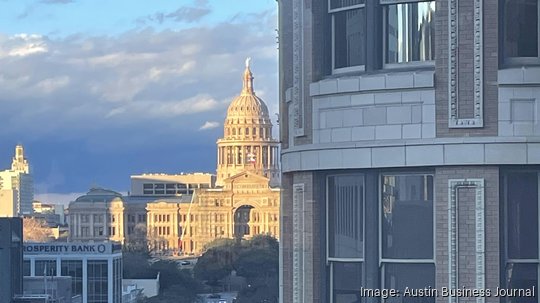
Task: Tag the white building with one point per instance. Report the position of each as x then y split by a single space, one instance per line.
169 185
16 187
95 268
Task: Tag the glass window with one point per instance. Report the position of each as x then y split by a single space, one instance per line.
406 234
97 282
521 28
45 268
26 268
73 269
522 276
407 217
521 231
345 216
345 236
414 276
522 215
349 37
409 32
346 282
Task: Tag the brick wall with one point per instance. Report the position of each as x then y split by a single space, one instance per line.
465 68
466 206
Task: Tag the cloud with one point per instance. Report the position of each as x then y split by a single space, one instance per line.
209 125
185 14
103 106
80 86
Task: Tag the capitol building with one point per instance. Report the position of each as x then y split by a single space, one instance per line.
182 213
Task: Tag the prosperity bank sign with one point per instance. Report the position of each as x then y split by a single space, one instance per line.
67 248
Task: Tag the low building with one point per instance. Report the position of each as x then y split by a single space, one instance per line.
169 185
58 289
97 216
95 268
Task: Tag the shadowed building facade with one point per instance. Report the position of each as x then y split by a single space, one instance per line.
410 148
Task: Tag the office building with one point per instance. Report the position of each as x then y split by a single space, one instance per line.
410 147
95 268
11 254
16 187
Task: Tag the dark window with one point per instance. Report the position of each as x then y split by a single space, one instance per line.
345 226
347 280
97 282
521 233
521 28
407 217
409 32
406 235
522 216
414 276
26 268
45 268
522 276
73 269
349 38
345 216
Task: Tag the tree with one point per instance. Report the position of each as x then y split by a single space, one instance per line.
35 230
257 260
215 264
137 241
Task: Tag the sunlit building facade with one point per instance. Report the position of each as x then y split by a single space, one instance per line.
184 212
410 148
245 200
16 187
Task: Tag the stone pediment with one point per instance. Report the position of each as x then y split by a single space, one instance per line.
246 180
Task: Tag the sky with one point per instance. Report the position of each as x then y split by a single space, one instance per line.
98 90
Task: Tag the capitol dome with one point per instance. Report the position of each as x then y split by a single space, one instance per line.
247 143
247 115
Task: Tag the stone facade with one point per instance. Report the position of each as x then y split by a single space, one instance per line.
182 213
452 134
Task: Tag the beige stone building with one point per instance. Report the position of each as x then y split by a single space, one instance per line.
246 199
182 213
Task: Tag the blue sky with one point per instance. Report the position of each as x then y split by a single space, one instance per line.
97 90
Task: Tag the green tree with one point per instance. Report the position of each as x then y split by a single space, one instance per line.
215 264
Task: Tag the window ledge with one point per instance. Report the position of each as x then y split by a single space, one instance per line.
385 80
519 75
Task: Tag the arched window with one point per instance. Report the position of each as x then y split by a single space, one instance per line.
234 131
247 130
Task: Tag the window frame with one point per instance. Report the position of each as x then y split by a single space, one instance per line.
384 27
384 261
517 61
331 260
332 12
506 261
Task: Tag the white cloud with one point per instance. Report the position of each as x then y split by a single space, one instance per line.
51 84
209 125
154 84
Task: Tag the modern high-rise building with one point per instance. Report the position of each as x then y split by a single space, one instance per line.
16 187
11 258
410 148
